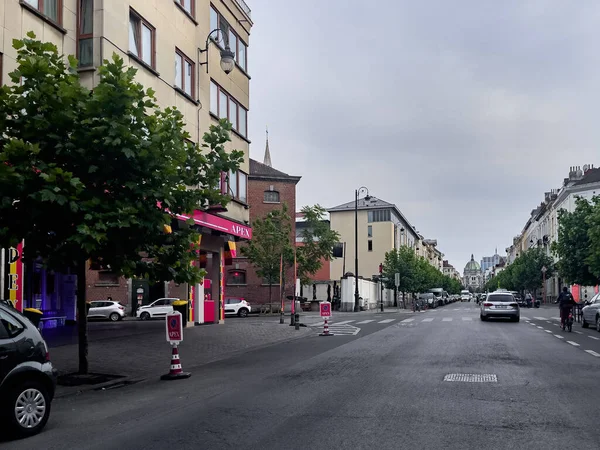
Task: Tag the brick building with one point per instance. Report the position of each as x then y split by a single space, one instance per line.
268 189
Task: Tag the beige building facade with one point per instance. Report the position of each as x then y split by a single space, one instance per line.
176 47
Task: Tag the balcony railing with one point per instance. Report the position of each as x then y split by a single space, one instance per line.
244 6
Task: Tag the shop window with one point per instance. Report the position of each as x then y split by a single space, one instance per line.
236 278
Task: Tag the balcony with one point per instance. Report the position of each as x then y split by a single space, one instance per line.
244 7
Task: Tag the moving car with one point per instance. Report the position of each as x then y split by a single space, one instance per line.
237 306
500 304
106 309
465 296
441 296
156 309
27 378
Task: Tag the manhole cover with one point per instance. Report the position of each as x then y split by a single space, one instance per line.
472 377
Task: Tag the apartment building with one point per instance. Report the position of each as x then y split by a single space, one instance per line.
381 228
194 54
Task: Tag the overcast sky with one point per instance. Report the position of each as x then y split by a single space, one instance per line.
462 113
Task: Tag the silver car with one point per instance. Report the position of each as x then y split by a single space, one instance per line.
591 313
106 309
500 304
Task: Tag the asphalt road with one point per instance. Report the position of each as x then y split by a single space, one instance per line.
382 387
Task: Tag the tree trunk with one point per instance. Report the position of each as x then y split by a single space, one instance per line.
82 317
270 303
396 298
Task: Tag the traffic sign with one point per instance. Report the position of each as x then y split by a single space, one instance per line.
325 308
397 279
174 327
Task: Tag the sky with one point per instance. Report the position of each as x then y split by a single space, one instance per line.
462 113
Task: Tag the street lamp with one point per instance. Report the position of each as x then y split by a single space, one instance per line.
361 189
544 269
227 56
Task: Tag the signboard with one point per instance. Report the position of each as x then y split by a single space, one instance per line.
397 279
15 276
325 308
174 327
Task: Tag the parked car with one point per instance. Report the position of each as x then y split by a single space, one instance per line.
427 298
27 377
500 304
156 309
591 313
237 306
106 309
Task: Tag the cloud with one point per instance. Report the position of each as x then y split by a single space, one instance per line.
462 113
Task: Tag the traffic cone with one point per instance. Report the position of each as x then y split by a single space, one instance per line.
176 372
326 329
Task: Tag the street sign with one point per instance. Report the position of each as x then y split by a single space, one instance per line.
397 279
325 308
174 327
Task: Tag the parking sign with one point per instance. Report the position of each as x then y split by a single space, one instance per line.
174 327
325 308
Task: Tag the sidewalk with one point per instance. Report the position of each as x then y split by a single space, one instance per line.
141 356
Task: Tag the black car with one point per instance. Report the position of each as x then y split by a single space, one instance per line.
27 378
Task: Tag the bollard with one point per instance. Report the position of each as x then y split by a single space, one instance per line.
297 320
326 329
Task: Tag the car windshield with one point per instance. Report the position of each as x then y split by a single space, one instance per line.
500 298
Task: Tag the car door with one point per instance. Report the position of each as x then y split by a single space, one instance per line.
95 309
8 350
163 307
592 309
15 348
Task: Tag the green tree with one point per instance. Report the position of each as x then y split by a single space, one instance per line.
578 244
525 272
403 262
98 174
318 240
270 243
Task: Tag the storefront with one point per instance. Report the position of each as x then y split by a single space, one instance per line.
218 238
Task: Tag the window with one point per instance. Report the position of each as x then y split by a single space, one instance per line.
12 326
52 9
379 215
184 73
85 47
141 39
370 245
237 46
370 231
271 197
108 277
224 106
238 182
236 277
187 5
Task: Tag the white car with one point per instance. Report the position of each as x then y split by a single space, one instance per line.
106 309
591 313
237 306
158 308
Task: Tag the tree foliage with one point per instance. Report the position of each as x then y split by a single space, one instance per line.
525 272
97 174
578 244
318 240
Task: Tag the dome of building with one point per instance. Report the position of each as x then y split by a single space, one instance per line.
472 266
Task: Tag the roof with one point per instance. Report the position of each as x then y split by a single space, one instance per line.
591 176
262 171
472 265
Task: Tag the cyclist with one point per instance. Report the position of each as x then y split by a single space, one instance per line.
565 303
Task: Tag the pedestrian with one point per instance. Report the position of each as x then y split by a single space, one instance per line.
109 298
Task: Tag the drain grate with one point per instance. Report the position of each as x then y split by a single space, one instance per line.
472 377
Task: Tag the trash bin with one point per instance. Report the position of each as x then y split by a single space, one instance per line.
34 315
182 307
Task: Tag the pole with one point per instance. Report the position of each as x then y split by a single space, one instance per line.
356 303
344 264
381 295
281 291
544 286
2 272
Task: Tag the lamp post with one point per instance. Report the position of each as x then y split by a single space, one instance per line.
367 197
227 56
544 283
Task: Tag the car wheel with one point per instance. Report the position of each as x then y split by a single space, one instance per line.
516 319
597 324
114 317
145 316
482 317
29 408
584 324
243 312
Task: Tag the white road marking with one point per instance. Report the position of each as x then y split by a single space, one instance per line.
575 344
547 321
594 338
548 331
456 309
344 322
592 352
429 319
386 321
558 336
541 328
364 321
578 332
407 320
447 319
467 318
540 318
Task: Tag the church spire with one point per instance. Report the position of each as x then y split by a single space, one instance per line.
267 160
